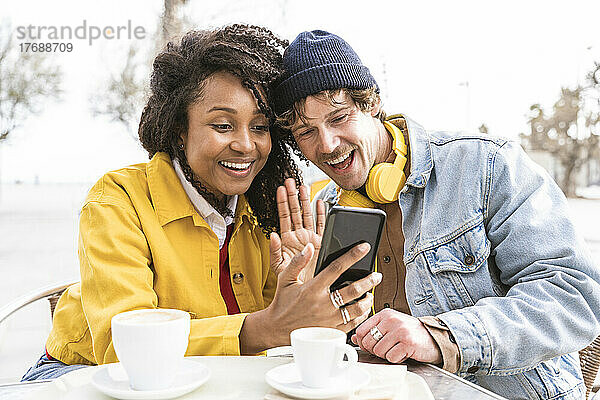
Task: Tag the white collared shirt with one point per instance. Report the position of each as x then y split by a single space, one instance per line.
217 223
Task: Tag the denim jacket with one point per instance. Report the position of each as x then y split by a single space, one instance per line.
491 251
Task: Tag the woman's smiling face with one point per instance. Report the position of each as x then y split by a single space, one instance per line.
228 140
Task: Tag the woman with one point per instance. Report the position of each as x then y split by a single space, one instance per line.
187 230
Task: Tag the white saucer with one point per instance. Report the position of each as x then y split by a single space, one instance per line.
112 381
286 379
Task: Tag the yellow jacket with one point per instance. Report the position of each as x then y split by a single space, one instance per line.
142 244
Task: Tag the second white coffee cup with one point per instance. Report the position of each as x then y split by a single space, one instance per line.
319 354
150 344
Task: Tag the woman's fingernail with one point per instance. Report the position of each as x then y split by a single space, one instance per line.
377 277
364 246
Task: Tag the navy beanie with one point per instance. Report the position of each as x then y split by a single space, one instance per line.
316 61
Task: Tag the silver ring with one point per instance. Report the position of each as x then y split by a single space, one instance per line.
376 333
333 300
345 315
336 299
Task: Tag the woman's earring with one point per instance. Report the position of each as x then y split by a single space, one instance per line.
181 146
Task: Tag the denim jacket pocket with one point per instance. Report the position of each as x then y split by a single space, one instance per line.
466 252
459 265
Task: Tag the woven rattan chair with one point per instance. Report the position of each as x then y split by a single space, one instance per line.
50 293
590 363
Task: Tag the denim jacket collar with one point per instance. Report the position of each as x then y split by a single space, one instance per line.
419 148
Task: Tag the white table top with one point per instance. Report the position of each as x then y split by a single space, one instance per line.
232 378
243 378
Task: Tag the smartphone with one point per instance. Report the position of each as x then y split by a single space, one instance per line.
346 227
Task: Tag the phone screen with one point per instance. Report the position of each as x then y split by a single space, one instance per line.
346 227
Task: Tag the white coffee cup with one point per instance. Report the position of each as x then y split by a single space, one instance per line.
319 354
150 344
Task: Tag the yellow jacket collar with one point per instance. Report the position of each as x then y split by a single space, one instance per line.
170 200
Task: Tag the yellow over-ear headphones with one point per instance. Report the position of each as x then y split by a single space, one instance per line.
385 179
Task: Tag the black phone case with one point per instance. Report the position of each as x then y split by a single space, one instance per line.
351 235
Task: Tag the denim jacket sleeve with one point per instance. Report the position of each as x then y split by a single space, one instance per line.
552 301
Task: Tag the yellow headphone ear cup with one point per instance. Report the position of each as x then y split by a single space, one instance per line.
384 182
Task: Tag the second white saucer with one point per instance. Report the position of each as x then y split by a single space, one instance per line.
286 379
112 381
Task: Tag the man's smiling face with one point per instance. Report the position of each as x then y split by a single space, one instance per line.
340 139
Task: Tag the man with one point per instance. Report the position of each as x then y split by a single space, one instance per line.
483 272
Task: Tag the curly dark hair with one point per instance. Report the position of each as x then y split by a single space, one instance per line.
180 71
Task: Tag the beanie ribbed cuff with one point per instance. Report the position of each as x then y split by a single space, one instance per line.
317 79
316 61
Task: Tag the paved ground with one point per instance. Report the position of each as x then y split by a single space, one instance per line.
38 247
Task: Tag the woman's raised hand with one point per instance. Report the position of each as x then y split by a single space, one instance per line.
297 228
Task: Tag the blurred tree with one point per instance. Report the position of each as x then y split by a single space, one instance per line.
122 95
172 22
26 79
592 119
562 134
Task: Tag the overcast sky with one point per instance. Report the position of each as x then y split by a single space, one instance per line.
511 53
